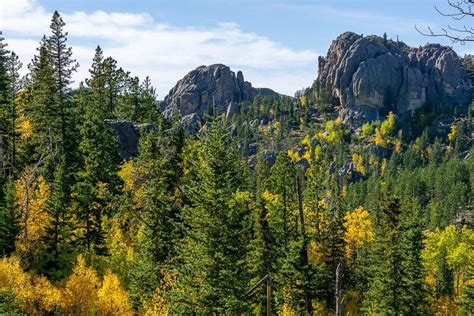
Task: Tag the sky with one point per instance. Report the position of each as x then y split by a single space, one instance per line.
275 43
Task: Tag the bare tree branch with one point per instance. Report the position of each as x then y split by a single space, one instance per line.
461 9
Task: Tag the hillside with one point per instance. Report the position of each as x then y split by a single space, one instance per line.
353 197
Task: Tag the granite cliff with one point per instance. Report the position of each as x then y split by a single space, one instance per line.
369 76
215 85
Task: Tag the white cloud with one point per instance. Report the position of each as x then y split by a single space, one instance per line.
164 52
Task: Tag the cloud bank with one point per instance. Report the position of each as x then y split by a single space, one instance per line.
164 52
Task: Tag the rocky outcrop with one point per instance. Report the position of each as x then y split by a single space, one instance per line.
128 135
213 85
369 75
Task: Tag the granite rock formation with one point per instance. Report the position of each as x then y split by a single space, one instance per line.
214 85
369 76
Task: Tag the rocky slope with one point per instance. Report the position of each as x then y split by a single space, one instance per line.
369 75
210 85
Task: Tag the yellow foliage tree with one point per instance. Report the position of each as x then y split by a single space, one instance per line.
378 138
80 293
32 196
358 161
48 298
36 295
112 298
453 134
359 230
24 128
387 128
457 245
12 277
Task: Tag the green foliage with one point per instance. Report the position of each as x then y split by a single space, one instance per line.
8 218
212 276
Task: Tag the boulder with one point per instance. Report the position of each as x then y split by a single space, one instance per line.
270 157
251 149
303 163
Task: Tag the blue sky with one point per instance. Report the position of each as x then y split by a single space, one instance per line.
275 43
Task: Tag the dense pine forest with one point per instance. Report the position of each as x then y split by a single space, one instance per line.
344 220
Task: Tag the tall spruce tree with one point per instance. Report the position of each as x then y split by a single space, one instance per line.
4 88
154 197
212 277
59 243
11 113
98 148
63 66
386 264
395 274
115 79
42 108
8 218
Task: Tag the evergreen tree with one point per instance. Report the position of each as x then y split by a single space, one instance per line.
98 148
4 89
412 242
149 112
387 275
58 240
467 301
262 245
13 65
154 196
42 108
212 277
8 219
4 82
115 79
63 67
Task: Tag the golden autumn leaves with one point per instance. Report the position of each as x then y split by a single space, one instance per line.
83 293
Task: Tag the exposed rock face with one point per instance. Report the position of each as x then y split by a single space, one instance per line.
128 134
232 109
210 85
366 75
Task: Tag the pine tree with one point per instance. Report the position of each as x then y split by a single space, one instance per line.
11 114
63 67
154 196
42 108
412 242
4 88
130 107
8 219
467 300
149 112
386 277
212 277
115 79
262 245
98 148
3 68
58 240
